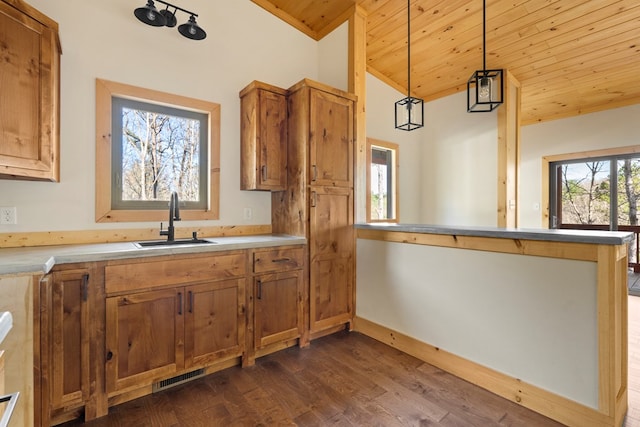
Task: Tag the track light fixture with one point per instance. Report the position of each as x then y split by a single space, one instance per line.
167 18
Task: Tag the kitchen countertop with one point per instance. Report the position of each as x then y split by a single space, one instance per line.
42 259
551 235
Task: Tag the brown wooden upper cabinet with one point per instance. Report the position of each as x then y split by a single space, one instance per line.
30 105
331 139
263 137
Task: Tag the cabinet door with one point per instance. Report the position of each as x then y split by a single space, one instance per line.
278 307
331 246
331 140
263 138
214 322
29 101
273 141
70 338
144 337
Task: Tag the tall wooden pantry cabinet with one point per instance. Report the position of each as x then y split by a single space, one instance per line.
318 202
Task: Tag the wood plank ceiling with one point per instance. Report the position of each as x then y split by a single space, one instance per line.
571 56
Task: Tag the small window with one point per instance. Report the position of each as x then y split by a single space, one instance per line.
150 144
382 181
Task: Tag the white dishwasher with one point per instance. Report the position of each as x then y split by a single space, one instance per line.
7 402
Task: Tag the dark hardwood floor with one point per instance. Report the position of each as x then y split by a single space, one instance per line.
345 379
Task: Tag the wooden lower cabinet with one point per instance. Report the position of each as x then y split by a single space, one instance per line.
70 338
153 335
277 308
331 251
144 338
214 322
110 330
65 343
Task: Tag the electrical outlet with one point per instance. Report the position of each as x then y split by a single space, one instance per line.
8 216
248 213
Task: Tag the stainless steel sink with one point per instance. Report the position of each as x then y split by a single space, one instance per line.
176 242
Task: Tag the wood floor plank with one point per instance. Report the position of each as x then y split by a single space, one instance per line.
345 379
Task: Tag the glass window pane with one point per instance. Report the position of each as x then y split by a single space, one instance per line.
160 154
586 193
628 191
163 149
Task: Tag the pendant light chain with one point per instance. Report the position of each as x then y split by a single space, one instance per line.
408 48
484 35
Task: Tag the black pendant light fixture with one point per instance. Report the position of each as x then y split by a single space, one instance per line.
166 18
485 87
409 110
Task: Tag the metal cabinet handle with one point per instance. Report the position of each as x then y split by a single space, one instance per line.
180 303
259 291
85 287
314 197
281 260
315 173
264 172
190 302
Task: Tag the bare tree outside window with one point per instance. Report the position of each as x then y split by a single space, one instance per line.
160 154
585 193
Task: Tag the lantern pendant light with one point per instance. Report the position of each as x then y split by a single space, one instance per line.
485 87
410 110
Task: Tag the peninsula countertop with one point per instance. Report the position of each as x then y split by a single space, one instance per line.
42 258
551 235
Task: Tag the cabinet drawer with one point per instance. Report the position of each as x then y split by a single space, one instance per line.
149 274
279 259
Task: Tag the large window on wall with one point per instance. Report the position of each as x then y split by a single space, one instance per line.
597 193
382 181
602 192
150 144
158 150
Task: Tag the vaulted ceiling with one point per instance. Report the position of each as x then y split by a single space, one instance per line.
570 56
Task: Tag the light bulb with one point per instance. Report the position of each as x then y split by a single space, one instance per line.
484 91
151 16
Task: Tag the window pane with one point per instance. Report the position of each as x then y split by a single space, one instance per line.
163 149
628 191
379 191
585 192
160 154
382 185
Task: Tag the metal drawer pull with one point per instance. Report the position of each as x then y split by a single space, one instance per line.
281 260
12 399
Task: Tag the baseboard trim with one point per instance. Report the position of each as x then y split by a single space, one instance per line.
532 397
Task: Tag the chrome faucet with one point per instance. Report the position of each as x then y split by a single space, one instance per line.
174 215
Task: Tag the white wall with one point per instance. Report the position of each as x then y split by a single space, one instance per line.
459 164
103 39
448 169
333 58
619 127
532 318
